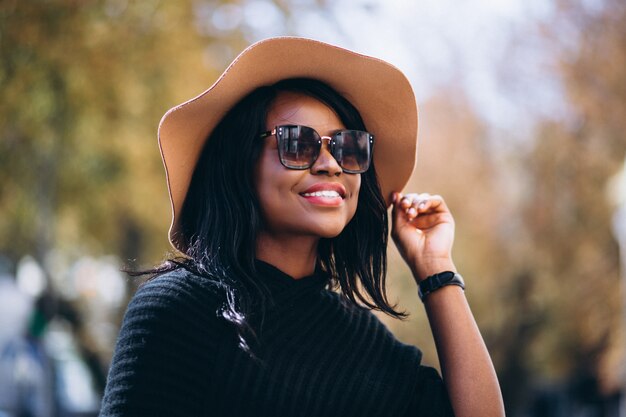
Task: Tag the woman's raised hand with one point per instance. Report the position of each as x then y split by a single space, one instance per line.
423 230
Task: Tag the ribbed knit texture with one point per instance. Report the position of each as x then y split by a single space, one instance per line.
319 356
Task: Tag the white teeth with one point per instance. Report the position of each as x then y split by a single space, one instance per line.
328 194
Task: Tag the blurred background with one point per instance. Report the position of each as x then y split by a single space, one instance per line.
522 129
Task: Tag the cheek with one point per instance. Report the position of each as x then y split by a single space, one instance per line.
264 174
272 182
354 200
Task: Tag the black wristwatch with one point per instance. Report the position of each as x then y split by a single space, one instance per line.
434 282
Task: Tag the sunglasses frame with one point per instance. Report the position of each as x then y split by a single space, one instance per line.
331 147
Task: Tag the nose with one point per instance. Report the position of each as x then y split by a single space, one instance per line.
326 164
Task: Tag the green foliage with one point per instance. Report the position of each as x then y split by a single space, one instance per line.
84 85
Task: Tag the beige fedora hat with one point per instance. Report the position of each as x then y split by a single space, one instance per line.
380 92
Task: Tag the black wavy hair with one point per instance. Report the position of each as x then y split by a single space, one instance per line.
220 217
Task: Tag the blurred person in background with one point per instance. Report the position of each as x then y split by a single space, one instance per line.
26 370
280 176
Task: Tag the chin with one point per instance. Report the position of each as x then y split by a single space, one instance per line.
330 234
329 231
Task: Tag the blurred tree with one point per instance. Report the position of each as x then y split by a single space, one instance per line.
562 322
534 233
84 85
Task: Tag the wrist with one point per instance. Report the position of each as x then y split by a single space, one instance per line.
430 267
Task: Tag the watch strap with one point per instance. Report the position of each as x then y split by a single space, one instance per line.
437 281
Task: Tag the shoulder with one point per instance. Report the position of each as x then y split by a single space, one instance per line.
178 300
180 281
177 288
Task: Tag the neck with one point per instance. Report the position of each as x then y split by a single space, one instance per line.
294 255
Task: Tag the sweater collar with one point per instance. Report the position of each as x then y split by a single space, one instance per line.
281 283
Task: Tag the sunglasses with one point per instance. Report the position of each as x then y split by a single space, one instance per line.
299 147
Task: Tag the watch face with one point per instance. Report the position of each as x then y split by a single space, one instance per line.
446 276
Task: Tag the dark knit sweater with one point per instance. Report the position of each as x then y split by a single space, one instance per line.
175 356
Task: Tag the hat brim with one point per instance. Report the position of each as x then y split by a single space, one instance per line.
380 92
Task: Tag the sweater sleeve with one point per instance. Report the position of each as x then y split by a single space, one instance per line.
163 356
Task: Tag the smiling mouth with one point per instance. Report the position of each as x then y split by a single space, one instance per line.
324 194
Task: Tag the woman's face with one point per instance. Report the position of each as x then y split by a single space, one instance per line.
291 202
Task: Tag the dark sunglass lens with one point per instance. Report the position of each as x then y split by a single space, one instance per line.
298 146
352 150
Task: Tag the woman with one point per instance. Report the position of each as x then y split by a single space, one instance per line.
279 192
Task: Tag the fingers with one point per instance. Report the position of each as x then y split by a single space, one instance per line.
414 204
